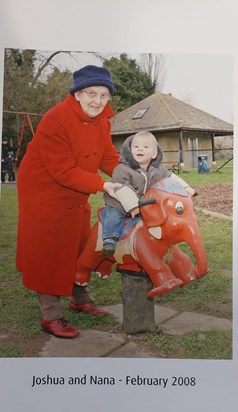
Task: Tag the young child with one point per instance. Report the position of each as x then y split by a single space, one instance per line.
140 166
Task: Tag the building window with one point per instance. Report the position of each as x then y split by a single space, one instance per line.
140 113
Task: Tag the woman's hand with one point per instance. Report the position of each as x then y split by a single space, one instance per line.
109 188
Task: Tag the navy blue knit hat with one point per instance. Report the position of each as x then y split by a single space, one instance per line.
91 76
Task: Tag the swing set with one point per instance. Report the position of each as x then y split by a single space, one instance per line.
26 122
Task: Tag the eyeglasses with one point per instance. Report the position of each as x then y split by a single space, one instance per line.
93 95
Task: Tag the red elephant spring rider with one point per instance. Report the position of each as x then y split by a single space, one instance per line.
150 242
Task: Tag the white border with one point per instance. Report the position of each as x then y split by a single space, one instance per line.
171 26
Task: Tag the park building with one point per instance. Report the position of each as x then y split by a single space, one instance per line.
184 132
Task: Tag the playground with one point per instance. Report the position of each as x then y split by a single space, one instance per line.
207 299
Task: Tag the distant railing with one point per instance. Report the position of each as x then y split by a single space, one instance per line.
221 153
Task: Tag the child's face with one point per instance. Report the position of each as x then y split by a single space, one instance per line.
144 149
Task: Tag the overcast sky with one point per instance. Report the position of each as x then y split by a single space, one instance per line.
205 81
202 80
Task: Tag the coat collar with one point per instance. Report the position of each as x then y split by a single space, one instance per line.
106 113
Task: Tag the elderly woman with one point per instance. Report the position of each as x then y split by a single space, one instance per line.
56 176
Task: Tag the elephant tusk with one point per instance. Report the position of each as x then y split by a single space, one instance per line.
155 231
179 208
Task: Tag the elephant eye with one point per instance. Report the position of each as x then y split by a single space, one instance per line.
179 208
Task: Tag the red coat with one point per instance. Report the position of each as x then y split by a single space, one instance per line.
55 179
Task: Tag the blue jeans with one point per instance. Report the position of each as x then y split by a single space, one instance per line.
112 223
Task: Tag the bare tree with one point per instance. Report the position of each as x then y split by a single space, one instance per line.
154 65
46 62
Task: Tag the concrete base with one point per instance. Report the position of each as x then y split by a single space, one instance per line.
138 309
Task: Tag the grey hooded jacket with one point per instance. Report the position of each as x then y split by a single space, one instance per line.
129 173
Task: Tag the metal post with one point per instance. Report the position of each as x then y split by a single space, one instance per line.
181 152
138 309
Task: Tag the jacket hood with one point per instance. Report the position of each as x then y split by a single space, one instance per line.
127 157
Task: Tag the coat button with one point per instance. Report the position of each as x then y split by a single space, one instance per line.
70 206
85 123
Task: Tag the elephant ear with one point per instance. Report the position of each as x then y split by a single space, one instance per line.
156 214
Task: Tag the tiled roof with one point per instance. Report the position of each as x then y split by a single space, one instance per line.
164 113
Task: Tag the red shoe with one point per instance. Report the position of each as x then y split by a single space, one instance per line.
59 328
89 308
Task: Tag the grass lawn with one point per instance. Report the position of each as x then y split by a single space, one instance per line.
215 176
19 313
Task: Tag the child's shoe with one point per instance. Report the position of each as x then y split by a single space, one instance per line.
109 246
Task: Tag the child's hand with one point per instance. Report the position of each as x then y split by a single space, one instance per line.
190 190
135 212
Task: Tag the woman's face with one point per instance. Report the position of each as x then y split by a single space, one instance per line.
93 99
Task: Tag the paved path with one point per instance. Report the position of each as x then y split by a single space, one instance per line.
94 343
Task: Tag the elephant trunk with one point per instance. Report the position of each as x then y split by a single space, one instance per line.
195 241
